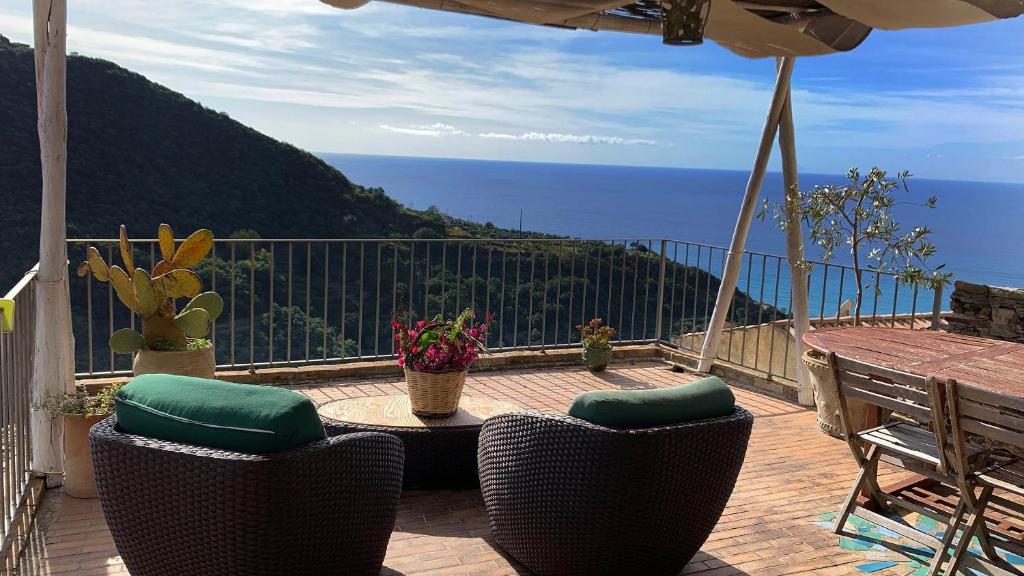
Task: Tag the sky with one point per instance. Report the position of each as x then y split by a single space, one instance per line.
387 79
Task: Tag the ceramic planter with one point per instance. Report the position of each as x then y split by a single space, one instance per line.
596 359
827 400
79 481
199 363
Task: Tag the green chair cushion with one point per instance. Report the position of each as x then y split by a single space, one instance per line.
237 417
706 398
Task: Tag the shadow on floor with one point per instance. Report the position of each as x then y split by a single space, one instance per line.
620 380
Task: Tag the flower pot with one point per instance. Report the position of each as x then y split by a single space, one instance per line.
826 397
596 359
434 395
199 363
79 481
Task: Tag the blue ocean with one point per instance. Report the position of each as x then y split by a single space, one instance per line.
978 227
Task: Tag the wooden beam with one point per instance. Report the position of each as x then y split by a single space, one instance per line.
53 366
739 237
795 247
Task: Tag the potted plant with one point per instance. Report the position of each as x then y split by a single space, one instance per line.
597 344
80 411
858 215
436 356
172 341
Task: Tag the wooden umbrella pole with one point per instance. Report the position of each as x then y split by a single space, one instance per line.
730 276
795 248
53 367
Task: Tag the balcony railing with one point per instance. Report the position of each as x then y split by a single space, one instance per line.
292 302
17 342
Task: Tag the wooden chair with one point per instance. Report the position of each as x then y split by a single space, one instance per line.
912 436
992 416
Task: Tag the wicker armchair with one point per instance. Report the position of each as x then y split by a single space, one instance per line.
180 510
566 497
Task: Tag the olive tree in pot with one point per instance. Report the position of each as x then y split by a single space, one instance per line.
858 216
80 410
172 341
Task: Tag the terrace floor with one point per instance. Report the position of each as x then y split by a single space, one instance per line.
792 474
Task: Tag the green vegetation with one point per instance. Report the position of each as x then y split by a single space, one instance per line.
139 153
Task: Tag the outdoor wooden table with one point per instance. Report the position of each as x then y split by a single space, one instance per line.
439 452
993 365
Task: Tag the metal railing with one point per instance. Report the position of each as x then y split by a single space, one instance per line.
17 344
296 302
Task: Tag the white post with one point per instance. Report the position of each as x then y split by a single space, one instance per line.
795 249
53 366
739 236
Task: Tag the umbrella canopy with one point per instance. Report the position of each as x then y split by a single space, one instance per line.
752 28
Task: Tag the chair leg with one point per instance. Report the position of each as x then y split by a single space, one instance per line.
983 536
865 477
947 538
974 520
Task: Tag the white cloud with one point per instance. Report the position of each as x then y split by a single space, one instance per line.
435 130
569 138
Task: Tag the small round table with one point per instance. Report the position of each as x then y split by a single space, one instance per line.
439 452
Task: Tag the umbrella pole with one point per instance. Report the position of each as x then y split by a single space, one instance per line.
53 358
730 275
795 251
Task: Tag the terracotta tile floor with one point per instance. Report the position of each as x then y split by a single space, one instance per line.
792 474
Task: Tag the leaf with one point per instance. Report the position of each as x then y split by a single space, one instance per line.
97 264
162 267
193 249
195 323
209 301
179 283
126 341
148 298
123 286
166 237
126 251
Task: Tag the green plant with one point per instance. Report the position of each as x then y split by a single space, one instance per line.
859 214
153 295
81 403
440 345
596 334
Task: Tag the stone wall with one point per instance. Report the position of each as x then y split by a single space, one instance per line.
987 311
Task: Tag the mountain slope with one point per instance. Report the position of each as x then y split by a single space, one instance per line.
142 154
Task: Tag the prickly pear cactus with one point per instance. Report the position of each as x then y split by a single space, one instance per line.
152 295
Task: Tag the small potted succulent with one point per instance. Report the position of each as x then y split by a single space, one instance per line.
436 356
597 344
80 410
172 341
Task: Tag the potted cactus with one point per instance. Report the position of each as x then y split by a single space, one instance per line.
172 341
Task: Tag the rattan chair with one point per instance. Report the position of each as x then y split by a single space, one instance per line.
567 497
179 510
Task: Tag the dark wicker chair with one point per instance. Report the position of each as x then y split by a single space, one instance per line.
566 497
179 510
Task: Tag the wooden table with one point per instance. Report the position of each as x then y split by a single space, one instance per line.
993 365
439 452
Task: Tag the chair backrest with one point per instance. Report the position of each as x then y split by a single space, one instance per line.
918 398
989 414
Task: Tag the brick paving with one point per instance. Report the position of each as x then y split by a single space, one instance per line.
792 474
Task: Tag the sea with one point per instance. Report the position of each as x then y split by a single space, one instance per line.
978 227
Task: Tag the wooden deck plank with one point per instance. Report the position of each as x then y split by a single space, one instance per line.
792 475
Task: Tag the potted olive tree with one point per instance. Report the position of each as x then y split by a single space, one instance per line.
80 410
597 344
858 216
172 341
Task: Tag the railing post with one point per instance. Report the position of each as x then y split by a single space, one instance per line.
936 308
661 292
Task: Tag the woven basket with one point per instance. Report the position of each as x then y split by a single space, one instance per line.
198 363
434 395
